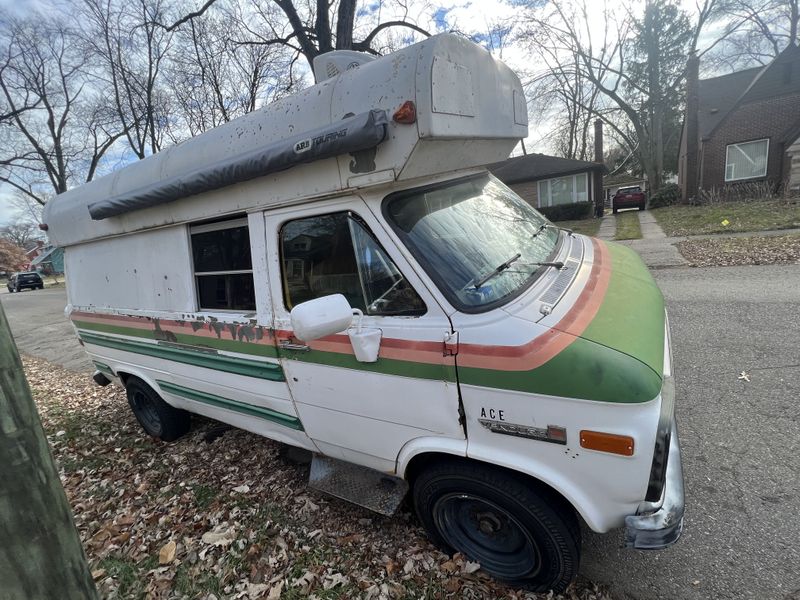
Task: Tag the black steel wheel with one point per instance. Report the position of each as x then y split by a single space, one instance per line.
157 418
518 531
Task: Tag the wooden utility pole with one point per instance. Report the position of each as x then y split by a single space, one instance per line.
40 552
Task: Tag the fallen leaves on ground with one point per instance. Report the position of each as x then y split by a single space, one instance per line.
756 250
231 518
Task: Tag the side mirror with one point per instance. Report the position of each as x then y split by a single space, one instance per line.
320 317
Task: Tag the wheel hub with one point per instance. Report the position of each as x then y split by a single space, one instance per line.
487 533
488 523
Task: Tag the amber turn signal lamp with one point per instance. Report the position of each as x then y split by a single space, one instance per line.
406 114
607 442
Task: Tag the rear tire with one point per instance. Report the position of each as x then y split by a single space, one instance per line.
520 532
642 206
614 210
157 418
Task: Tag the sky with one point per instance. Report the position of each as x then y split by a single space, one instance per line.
482 19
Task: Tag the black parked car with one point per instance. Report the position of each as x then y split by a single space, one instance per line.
19 281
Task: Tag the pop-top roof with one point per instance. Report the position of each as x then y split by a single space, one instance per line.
470 111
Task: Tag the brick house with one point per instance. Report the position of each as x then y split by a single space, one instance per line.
546 180
746 123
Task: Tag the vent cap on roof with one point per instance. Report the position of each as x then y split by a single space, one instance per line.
334 63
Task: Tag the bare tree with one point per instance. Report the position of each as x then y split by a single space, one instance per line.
308 28
763 29
563 97
215 79
128 51
19 232
49 139
632 62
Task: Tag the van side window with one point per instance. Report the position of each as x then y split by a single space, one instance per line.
336 254
223 268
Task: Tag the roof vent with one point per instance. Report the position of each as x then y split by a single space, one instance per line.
334 63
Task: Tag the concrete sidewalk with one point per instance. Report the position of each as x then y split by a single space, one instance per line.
656 249
608 228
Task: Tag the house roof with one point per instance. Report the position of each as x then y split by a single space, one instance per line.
622 180
48 251
533 167
719 96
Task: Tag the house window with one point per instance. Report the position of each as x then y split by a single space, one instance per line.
223 268
336 254
564 190
746 160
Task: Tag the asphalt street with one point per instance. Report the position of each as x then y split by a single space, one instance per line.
40 328
740 439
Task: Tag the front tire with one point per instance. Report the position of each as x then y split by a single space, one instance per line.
614 210
519 532
157 418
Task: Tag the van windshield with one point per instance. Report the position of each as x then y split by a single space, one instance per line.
464 231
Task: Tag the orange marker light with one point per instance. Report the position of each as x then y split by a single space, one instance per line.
607 442
406 114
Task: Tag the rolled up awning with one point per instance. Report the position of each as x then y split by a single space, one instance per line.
352 134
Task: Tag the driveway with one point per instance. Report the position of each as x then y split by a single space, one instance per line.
740 439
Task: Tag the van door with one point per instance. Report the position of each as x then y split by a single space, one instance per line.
360 412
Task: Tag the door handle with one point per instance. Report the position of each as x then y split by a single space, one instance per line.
292 345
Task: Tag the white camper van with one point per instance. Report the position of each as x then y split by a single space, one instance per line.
339 272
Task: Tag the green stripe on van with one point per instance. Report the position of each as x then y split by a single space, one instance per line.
104 368
190 356
227 403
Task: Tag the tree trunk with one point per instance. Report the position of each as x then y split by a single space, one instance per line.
40 554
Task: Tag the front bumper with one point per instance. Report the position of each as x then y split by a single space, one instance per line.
663 526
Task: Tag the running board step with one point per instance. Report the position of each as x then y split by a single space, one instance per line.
363 486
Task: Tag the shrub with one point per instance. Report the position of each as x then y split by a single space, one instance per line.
666 196
756 191
568 212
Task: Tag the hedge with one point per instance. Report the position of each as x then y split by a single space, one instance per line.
568 212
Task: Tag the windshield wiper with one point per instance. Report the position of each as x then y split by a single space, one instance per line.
544 226
499 269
